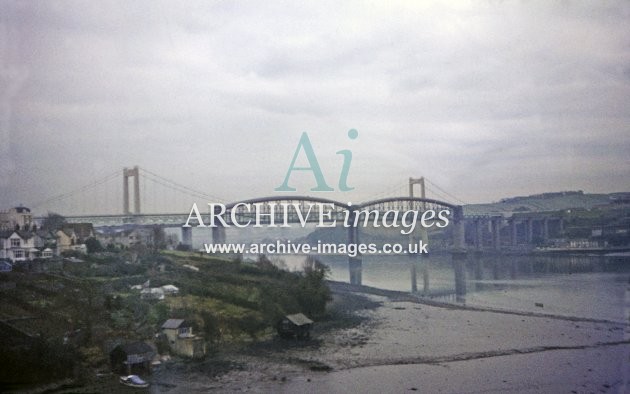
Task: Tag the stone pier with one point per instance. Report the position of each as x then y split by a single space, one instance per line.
218 235
458 253
355 264
187 236
496 232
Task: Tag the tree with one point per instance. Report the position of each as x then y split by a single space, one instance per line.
93 245
86 304
158 313
159 237
182 247
313 293
211 326
263 262
53 222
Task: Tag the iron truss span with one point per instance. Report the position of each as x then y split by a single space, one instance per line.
292 209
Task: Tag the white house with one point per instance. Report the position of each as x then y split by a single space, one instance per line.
17 246
18 216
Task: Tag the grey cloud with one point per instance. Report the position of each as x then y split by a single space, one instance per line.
216 94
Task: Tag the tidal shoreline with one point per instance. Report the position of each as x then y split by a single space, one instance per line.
392 334
377 340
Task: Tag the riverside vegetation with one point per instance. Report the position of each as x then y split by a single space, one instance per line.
60 322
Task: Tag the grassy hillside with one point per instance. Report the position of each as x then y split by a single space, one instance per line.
539 203
59 323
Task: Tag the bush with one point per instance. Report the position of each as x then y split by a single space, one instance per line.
313 293
93 245
183 248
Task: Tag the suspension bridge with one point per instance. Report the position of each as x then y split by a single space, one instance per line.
132 191
139 182
137 196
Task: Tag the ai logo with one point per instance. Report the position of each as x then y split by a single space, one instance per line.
305 145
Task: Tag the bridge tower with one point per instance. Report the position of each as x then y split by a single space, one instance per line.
417 181
135 173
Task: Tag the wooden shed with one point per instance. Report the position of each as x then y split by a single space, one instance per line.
132 357
297 325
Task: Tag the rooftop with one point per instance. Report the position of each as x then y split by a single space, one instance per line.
175 323
299 319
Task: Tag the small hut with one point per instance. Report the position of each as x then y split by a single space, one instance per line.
132 357
181 339
297 325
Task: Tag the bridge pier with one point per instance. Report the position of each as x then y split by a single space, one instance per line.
218 232
458 253
425 278
412 270
459 243
187 236
513 232
478 271
496 233
459 268
417 259
218 235
529 227
355 264
479 233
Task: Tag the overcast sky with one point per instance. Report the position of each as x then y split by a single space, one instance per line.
486 99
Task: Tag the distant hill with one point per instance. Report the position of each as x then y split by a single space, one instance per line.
544 202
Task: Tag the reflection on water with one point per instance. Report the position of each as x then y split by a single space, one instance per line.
583 286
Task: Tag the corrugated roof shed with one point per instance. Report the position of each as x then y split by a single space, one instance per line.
299 319
175 324
137 348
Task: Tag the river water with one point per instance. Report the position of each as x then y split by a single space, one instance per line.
595 287
581 286
588 286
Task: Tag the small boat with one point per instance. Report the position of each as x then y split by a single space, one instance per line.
133 381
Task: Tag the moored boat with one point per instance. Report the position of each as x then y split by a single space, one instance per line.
133 381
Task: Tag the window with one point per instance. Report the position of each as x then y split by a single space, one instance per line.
15 242
18 254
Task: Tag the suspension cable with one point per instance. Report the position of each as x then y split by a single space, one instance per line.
81 189
445 192
179 187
